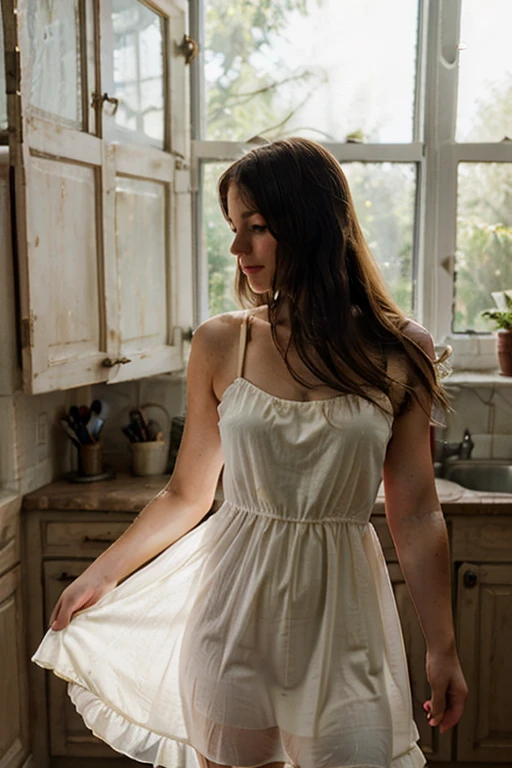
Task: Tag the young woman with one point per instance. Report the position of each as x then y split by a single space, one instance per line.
269 635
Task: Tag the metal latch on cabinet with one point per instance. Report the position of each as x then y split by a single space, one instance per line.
98 100
108 362
180 334
188 48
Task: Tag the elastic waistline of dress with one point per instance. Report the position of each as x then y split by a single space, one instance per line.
269 513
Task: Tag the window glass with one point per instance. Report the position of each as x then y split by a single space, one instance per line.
484 241
384 196
484 111
217 238
54 31
325 69
139 70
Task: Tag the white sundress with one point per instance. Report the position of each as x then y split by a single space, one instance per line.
270 631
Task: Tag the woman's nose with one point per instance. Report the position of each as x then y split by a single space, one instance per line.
239 245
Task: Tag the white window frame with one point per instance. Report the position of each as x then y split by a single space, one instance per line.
435 153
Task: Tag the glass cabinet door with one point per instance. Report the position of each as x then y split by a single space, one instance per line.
138 72
56 82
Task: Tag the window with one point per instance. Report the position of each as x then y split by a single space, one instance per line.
413 98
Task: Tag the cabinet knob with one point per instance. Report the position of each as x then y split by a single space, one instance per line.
470 579
109 363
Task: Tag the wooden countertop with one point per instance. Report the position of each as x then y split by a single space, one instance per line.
127 493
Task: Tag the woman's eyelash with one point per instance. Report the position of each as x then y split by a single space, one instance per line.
254 228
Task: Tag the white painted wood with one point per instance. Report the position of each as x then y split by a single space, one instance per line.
144 280
59 243
98 266
344 152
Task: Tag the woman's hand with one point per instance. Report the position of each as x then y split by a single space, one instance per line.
83 592
448 687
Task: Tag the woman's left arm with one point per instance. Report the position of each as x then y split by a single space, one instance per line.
417 525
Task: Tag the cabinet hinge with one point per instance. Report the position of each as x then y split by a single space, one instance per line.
27 331
180 335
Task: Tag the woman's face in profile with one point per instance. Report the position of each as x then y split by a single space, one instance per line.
253 245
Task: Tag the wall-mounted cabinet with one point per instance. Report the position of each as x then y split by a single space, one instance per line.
97 112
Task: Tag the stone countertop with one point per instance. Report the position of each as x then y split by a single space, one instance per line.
127 493
124 493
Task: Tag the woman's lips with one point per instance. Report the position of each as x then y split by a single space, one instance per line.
251 270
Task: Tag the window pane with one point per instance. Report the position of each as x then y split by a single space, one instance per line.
139 69
484 110
484 241
325 69
384 195
54 31
217 240
3 104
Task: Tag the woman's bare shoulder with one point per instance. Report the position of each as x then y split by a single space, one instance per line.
417 333
217 334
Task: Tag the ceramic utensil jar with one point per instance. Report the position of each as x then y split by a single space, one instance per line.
149 458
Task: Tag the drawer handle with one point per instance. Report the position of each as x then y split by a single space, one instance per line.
97 540
67 576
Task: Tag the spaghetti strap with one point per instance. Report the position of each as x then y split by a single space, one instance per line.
242 343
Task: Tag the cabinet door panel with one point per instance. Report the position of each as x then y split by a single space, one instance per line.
145 263
435 746
59 191
13 707
485 638
67 283
141 256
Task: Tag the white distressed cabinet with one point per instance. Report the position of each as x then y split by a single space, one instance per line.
98 130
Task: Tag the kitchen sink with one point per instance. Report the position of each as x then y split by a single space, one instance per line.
490 475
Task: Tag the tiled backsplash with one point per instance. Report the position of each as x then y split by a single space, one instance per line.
487 412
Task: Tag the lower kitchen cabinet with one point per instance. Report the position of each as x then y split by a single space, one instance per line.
435 746
484 615
14 740
59 547
60 544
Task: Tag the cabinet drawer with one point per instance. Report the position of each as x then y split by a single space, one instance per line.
381 527
81 538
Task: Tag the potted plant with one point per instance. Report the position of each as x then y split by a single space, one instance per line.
502 317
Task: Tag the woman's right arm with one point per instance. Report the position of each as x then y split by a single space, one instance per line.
184 501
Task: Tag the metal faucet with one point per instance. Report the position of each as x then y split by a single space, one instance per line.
462 450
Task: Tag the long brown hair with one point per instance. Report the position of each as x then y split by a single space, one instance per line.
338 303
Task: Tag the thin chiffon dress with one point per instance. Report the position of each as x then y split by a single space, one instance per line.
270 631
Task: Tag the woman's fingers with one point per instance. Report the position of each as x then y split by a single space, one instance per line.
456 700
450 706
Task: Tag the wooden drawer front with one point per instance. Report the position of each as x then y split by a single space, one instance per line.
9 535
81 538
381 527
483 539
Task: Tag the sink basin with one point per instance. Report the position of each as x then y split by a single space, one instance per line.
480 475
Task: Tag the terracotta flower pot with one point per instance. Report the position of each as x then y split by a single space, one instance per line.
505 352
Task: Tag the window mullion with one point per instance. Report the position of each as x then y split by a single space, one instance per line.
440 206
